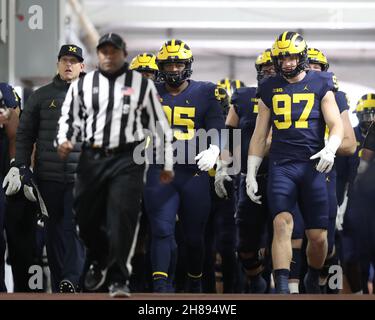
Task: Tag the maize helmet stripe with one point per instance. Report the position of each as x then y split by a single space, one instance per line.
317 57
174 51
366 102
144 62
287 44
365 111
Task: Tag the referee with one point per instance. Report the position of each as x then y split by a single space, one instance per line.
109 108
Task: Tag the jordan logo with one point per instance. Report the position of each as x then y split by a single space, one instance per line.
52 105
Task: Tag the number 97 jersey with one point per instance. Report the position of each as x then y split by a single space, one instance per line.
298 125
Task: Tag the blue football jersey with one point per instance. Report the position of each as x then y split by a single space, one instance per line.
342 101
195 108
245 103
297 121
10 98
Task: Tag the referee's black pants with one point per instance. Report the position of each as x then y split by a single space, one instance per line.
107 203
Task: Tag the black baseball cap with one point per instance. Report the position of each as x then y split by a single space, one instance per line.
71 50
113 39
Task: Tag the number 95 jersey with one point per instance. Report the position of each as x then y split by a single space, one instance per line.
297 120
197 107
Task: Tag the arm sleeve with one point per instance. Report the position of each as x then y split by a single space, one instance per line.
69 125
158 124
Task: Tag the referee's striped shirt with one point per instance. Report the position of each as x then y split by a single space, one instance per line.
110 112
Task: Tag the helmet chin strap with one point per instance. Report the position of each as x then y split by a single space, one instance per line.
292 74
174 80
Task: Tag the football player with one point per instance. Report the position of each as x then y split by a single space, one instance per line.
189 105
354 225
318 62
220 230
298 105
251 218
145 63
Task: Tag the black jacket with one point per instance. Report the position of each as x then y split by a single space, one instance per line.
38 124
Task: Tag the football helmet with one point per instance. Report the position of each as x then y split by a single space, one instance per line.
145 62
365 111
290 44
316 56
174 51
264 59
230 85
222 96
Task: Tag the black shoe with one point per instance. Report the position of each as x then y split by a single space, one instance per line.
160 285
119 290
194 285
311 284
95 277
257 284
66 286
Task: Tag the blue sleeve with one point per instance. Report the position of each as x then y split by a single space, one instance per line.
342 101
261 93
329 82
9 96
214 117
234 101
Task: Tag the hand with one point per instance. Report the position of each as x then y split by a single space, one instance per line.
166 176
28 192
8 96
342 209
252 189
26 175
13 180
327 154
207 158
327 159
339 219
64 149
362 167
253 164
220 177
4 116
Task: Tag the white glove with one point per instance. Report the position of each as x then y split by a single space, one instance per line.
28 192
327 154
13 180
341 210
339 219
253 164
221 176
207 158
362 167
